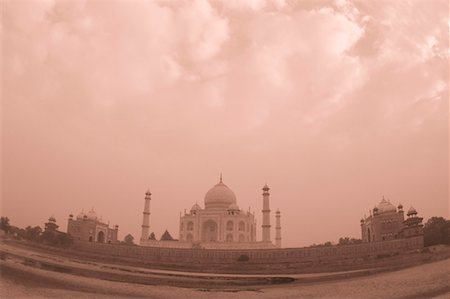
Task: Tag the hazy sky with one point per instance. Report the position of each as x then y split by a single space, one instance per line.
332 103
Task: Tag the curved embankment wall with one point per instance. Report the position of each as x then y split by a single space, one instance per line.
266 256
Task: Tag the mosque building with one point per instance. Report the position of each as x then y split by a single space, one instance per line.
221 224
89 227
386 222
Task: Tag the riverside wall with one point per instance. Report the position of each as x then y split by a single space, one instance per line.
267 256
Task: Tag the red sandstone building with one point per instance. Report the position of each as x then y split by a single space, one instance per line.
90 227
387 222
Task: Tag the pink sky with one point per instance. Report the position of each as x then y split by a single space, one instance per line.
332 103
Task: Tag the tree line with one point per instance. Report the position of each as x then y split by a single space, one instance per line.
436 231
49 235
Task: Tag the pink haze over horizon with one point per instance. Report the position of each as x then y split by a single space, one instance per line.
333 104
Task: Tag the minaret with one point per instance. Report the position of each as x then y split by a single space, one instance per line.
278 230
146 217
266 215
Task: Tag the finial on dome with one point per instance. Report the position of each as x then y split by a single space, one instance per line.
221 177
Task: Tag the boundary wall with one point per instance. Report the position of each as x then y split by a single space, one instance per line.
267 256
208 245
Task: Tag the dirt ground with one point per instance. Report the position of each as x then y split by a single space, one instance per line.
27 273
424 281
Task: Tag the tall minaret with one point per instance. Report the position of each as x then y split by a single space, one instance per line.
266 215
278 230
146 217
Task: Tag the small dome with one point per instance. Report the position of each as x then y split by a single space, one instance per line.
385 206
233 207
91 215
52 219
196 207
411 211
400 206
81 215
219 197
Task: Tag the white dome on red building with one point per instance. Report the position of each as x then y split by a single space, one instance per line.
385 206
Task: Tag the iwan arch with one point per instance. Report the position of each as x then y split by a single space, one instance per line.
221 224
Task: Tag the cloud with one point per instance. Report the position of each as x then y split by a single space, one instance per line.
275 88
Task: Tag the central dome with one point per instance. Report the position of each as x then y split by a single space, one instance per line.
385 206
219 197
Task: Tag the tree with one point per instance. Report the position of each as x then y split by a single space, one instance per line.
17 232
344 241
129 239
166 236
63 239
436 231
348 241
48 237
326 244
33 233
4 224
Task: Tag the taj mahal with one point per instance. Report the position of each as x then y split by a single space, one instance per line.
221 224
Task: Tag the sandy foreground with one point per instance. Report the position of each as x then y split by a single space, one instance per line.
22 280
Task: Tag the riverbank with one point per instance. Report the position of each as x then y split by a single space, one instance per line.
21 280
283 266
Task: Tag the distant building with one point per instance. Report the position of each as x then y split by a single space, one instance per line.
412 226
89 227
387 222
220 224
51 235
51 225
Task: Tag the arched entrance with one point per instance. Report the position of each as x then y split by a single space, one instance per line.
189 238
209 231
101 237
229 238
